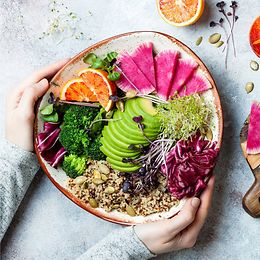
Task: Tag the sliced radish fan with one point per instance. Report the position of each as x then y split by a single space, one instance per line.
167 73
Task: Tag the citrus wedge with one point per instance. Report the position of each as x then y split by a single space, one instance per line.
77 90
180 12
101 86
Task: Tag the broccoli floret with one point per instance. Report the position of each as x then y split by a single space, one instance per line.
94 150
73 136
74 165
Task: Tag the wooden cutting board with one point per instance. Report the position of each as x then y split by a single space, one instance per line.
251 200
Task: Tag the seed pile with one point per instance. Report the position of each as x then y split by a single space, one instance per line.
100 186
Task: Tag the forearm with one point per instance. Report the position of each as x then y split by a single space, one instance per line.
122 244
17 168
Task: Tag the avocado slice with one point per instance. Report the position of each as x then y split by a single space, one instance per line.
107 134
123 167
130 126
114 150
124 137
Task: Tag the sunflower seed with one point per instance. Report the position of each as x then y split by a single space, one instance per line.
130 211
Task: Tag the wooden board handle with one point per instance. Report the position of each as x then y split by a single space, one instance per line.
251 200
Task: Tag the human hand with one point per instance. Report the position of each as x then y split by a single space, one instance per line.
20 106
182 230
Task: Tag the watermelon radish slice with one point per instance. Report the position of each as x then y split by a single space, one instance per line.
185 69
165 67
132 78
253 138
143 58
197 83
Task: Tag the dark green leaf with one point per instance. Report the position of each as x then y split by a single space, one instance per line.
47 110
54 118
98 63
90 58
111 56
114 75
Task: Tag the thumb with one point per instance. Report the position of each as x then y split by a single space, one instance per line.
31 95
186 216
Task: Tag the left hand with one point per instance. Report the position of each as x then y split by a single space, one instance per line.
20 106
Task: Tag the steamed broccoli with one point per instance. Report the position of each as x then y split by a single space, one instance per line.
94 150
74 165
73 135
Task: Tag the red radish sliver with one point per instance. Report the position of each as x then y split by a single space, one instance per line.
185 69
165 67
253 138
196 84
143 58
132 78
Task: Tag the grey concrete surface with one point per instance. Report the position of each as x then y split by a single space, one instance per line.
48 225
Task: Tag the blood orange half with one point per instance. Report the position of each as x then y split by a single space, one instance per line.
101 86
77 90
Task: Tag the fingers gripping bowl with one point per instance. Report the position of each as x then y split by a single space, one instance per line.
157 108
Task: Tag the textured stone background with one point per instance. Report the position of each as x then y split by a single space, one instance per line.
48 225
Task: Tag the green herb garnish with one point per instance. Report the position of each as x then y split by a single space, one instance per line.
105 64
183 117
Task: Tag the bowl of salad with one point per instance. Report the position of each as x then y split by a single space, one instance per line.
130 128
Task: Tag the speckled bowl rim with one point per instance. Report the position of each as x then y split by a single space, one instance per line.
202 66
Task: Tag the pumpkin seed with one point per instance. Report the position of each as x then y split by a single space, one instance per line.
104 169
199 40
109 190
214 38
254 65
130 211
120 105
249 87
104 177
93 203
131 94
97 181
209 134
96 174
80 179
219 44
115 206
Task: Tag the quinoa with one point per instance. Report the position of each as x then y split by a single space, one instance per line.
100 186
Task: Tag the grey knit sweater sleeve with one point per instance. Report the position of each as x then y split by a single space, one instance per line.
122 244
17 169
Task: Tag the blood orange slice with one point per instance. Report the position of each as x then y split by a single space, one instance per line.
101 86
180 12
77 90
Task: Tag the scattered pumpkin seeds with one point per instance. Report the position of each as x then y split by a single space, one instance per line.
80 179
199 40
93 203
109 190
104 169
219 44
214 38
97 181
254 65
96 174
130 211
104 177
249 87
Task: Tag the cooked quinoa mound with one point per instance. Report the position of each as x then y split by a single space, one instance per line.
100 186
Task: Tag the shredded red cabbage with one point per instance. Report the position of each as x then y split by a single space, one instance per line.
188 164
48 144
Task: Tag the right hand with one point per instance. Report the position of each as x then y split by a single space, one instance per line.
182 230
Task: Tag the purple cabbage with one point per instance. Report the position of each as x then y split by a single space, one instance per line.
48 144
188 165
